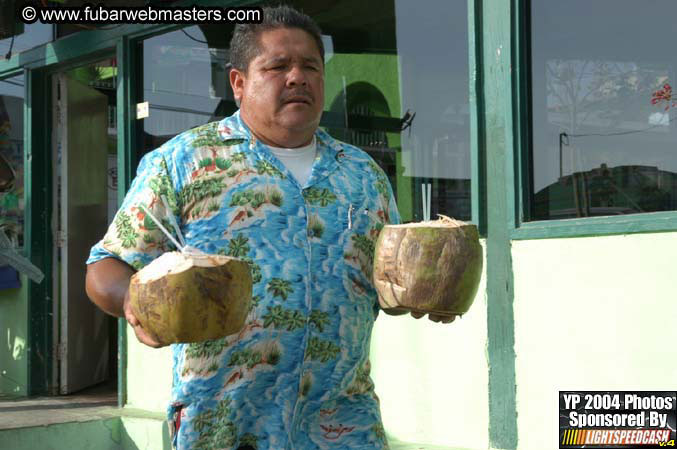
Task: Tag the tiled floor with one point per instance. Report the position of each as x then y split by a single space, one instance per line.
99 402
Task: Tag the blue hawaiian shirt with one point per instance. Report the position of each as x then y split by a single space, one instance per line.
297 375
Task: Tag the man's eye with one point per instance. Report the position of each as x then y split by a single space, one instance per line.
313 68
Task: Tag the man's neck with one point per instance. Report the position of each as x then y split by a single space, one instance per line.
283 138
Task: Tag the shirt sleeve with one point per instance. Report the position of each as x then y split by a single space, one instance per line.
386 197
390 207
133 236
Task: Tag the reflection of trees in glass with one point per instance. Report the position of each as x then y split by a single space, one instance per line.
608 191
663 96
600 93
597 106
11 176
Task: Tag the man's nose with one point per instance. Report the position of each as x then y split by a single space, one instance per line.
296 76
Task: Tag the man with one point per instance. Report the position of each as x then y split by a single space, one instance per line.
303 209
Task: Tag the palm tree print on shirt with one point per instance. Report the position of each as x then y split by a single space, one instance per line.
245 361
281 318
362 253
280 288
321 350
321 197
249 439
215 428
239 247
319 319
193 196
125 231
202 358
266 168
251 201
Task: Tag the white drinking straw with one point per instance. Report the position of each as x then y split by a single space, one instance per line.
157 222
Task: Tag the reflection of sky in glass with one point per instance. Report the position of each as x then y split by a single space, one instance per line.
12 86
595 68
33 35
184 81
432 46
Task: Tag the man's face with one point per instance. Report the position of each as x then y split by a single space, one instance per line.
282 92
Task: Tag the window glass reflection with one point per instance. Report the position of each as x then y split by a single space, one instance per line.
25 37
185 81
603 113
11 159
396 85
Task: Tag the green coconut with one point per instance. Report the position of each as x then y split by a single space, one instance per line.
191 297
429 267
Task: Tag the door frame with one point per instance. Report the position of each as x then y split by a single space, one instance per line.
40 223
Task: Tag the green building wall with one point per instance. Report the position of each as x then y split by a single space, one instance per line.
13 342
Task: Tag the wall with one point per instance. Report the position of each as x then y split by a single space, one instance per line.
590 314
149 375
112 433
432 379
13 340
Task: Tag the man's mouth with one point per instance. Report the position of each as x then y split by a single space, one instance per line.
298 99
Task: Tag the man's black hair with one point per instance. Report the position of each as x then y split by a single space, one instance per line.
244 46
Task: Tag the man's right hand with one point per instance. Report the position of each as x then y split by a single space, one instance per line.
141 334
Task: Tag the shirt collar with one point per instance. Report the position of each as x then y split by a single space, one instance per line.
328 155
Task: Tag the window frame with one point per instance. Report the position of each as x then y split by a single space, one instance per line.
519 172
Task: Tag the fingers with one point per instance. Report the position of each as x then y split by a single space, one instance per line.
131 319
395 311
441 319
144 337
140 333
129 314
434 317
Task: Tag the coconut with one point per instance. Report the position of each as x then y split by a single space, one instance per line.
429 267
183 297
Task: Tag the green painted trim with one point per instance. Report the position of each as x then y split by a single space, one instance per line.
521 82
497 105
598 226
38 217
125 145
478 195
73 46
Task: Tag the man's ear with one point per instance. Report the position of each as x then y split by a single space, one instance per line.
237 80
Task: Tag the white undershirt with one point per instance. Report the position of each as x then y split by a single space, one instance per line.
298 160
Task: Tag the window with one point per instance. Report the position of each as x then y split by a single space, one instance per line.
12 159
185 81
396 85
604 119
